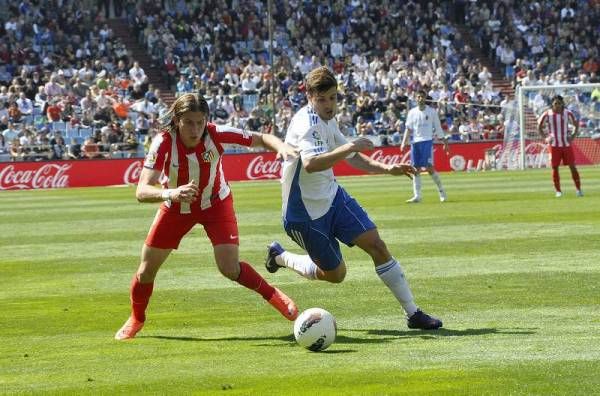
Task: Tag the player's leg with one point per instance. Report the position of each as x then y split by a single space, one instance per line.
576 180
141 289
324 259
227 258
569 159
419 157
438 182
388 268
390 272
221 227
166 232
556 158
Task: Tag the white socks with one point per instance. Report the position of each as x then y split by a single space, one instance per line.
302 264
417 185
438 182
391 274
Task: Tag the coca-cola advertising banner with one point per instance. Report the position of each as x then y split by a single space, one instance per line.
257 166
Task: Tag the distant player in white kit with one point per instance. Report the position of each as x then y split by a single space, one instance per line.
422 124
317 211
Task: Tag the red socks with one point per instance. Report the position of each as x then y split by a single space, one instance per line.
575 176
556 179
140 296
140 292
253 281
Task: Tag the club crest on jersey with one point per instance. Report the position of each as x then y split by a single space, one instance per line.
208 156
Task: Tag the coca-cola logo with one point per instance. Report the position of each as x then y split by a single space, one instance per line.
46 176
390 159
133 172
259 168
509 156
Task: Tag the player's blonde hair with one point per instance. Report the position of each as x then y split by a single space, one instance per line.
184 103
320 79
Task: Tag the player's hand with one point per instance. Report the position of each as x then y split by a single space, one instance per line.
402 169
361 144
186 193
287 152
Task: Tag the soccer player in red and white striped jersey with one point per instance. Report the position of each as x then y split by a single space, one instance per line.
186 159
553 125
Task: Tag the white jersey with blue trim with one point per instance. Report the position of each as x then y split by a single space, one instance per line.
424 124
308 196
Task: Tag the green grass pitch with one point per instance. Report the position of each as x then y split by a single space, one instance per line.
513 272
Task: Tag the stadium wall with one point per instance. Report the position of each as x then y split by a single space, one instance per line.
257 166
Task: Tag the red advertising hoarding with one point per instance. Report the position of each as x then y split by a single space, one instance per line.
256 166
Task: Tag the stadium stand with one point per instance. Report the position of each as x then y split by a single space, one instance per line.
109 70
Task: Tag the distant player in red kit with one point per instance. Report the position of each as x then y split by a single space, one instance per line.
188 154
553 125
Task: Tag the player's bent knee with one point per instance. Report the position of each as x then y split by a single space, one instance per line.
231 271
146 276
377 248
336 276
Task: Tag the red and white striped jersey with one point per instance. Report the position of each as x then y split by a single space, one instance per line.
557 125
202 164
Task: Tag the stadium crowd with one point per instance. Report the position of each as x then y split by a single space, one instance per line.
70 89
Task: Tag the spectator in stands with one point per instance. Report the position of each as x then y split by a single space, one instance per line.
17 152
59 147
54 111
14 114
137 75
144 106
183 85
142 124
90 149
363 127
53 88
11 132
25 105
74 150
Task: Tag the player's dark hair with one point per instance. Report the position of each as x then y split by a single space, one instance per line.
320 79
559 98
183 104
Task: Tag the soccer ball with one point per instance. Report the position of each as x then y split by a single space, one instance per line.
315 329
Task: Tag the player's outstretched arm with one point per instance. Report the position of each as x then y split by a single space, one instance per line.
327 160
367 164
273 143
148 192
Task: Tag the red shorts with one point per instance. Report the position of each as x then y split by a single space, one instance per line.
219 222
564 154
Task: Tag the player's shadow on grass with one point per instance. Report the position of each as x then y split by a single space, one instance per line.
449 332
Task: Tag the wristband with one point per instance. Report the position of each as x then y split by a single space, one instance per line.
166 194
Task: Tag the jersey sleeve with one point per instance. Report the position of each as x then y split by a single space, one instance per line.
157 154
311 143
542 119
409 123
229 135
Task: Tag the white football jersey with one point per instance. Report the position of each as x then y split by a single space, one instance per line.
424 124
308 196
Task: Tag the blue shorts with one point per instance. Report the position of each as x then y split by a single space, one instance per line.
421 154
345 220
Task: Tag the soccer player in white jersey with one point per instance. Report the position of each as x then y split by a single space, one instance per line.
317 211
422 124
186 158
553 125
